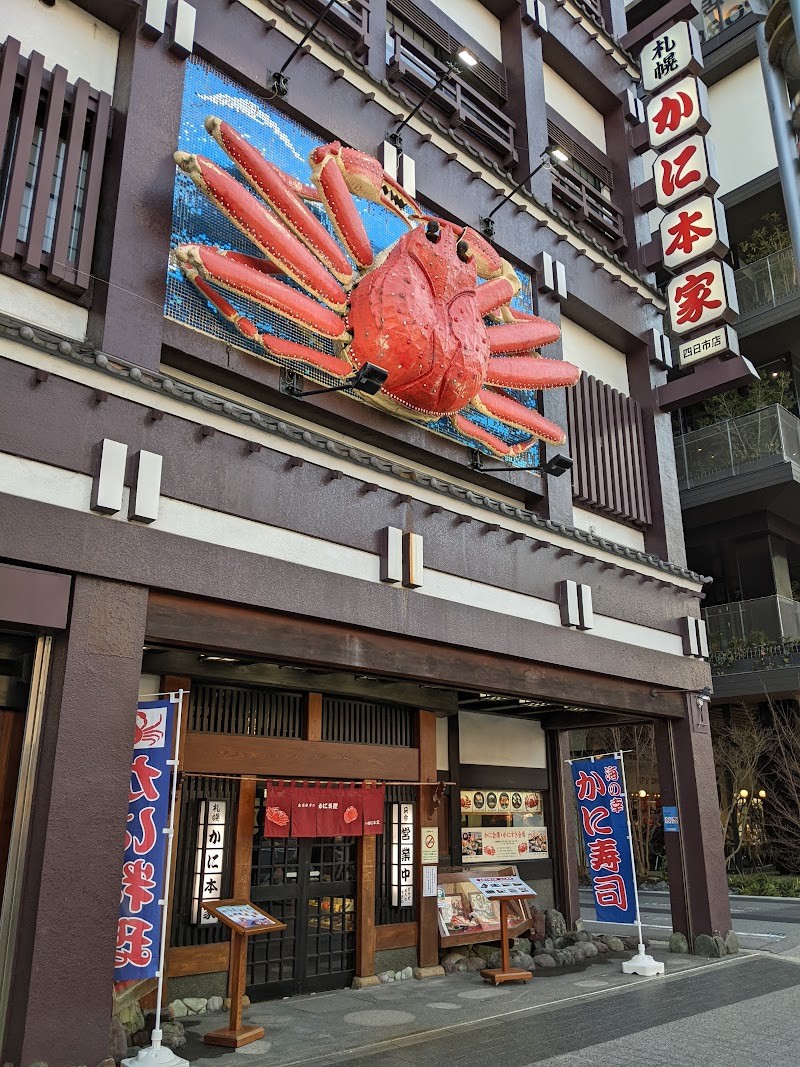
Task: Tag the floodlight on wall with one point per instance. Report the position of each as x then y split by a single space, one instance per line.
545 163
462 60
368 379
555 466
278 80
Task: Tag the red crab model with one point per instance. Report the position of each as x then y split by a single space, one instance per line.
417 309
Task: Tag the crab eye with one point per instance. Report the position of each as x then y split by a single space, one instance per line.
462 248
433 231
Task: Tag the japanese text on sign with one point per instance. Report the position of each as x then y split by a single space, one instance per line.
139 924
604 821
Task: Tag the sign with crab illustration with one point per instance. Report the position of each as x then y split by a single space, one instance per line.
309 255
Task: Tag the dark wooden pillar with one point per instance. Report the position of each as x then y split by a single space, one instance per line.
563 846
365 908
428 952
74 870
698 883
454 774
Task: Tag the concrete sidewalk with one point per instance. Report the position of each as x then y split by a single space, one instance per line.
332 1027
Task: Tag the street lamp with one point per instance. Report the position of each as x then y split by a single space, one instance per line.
463 59
743 794
280 82
545 162
642 793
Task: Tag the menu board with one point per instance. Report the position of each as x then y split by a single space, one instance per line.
504 801
472 912
494 886
490 844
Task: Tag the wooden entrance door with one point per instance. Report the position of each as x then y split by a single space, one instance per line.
310 884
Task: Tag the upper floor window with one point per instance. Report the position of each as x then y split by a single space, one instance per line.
718 15
53 136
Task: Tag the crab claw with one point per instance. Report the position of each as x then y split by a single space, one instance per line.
341 173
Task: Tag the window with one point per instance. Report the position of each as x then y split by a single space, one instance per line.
718 15
50 169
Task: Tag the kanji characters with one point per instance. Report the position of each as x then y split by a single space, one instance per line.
617 805
145 777
144 844
686 232
663 46
133 944
592 821
604 855
611 774
694 297
668 65
609 891
674 175
673 110
590 786
137 883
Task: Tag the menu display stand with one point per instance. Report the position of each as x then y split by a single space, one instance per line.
508 889
243 919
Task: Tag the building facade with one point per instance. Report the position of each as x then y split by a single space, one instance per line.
344 594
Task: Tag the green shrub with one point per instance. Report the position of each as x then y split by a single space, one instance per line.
764 885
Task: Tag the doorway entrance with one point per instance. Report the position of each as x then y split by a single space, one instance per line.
309 884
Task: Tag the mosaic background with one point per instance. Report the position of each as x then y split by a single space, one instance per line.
195 220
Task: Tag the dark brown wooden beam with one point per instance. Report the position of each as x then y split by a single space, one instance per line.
395 935
427 910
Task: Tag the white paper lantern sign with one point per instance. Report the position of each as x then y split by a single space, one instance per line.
694 230
681 109
703 295
683 169
676 52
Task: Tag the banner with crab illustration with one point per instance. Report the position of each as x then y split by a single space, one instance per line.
139 923
310 810
278 248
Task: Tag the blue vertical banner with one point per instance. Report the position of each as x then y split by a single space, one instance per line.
602 811
139 924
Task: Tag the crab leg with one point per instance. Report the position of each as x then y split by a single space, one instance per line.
266 231
274 346
514 337
492 295
244 275
484 437
327 175
283 194
512 413
530 372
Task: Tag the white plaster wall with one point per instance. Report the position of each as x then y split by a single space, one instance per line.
740 127
605 527
64 34
42 309
477 22
594 356
569 103
500 741
442 755
149 685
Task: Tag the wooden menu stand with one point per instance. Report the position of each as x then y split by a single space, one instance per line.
234 1035
505 972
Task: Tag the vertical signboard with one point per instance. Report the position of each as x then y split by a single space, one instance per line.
603 814
402 855
143 881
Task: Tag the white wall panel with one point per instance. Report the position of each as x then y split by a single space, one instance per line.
442 754
500 741
740 127
594 356
608 528
569 103
477 21
38 308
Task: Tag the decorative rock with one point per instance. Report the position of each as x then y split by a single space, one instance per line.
722 948
167 1015
484 951
539 923
142 1039
560 957
548 945
554 923
578 953
589 950
704 946
214 1004
385 977
631 943
132 1018
523 960
117 1041
107 1062
450 960
495 960
131 1053
245 1001
601 947
359 982
179 1009
428 972
615 944
732 943
544 960
583 935
561 942
678 943
196 1005
475 963
173 1035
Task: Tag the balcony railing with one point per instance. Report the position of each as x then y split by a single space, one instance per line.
737 446
766 621
589 205
767 282
463 105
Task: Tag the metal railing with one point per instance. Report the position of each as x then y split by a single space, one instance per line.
589 205
737 446
767 282
767 620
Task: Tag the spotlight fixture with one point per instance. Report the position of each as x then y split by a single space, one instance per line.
209 657
368 379
462 60
642 793
278 79
555 466
553 152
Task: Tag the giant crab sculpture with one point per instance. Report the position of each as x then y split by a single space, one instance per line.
417 309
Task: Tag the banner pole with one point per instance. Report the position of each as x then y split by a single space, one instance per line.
641 963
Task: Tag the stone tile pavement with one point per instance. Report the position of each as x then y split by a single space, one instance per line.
704 1013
